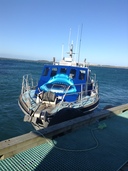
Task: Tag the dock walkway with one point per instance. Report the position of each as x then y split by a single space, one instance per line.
95 144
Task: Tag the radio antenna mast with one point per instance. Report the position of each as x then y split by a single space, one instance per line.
69 39
80 43
62 54
77 41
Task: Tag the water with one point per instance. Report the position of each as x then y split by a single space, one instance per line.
113 88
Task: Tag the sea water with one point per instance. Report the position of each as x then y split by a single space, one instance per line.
113 89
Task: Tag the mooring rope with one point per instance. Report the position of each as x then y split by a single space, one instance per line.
51 142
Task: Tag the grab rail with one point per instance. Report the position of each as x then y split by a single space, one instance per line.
27 83
82 88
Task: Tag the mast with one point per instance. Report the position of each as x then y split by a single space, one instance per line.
80 43
77 41
69 39
62 53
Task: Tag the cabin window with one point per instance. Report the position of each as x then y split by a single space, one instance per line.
72 73
63 70
82 74
45 72
53 72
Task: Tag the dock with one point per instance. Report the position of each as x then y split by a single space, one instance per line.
94 142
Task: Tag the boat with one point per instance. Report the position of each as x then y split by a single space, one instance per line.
65 90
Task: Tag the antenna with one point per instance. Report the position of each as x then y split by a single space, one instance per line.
69 39
80 43
62 50
77 41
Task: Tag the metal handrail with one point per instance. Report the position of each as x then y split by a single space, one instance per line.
28 83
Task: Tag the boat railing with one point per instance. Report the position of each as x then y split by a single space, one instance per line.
93 77
84 93
86 89
28 83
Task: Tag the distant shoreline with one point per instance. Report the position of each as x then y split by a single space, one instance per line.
46 61
109 66
26 60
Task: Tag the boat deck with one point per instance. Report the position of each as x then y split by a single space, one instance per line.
98 146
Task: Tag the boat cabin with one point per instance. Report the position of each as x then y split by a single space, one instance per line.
61 78
77 74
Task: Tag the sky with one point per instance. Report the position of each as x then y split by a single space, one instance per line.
37 30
